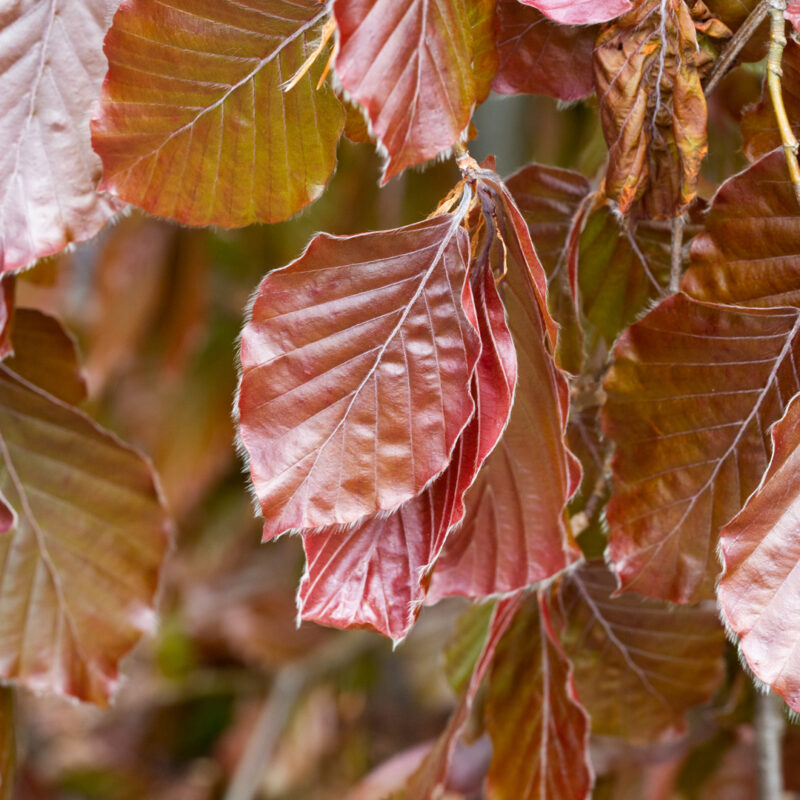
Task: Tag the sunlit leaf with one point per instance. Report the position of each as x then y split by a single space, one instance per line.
52 66
652 107
759 592
195 123
539 56
638 664
691 397
418 69
539 730
582 12
356 365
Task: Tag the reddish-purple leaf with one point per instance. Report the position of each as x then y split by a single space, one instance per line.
51 65
759 592
580 12
638 664
691 397
792 13
195 121
539 730
356 366
418 68
539 56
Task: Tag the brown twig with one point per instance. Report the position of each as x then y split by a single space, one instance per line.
735 45
769 726
777 41
676 254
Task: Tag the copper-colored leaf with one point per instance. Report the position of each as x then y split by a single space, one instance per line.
732 14
759 592
356 365
539 730
51 66
749 253
8 742
81 563
418 68
7 299
638 664
652 107
690 400
581 12
539 56
195 123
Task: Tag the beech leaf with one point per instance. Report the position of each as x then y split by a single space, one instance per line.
356 365
759 593
691 396
8 743
195 122
418 68
51 66
638 664
81 562
582 12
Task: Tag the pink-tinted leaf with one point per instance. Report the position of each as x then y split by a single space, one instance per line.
51 66
195 122
638 664
539 730
792 13
691 397
582 12
539 56
418 68
356 365
81 564
759 592
749 253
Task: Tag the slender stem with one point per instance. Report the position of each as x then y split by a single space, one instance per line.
769 736
676 254
777 41
735 45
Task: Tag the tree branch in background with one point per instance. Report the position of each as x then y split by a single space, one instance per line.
676 253
769 726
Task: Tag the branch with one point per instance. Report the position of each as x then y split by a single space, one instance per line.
769 736
735 45
676 254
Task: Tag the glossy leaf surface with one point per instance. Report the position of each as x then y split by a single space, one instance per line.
51 67
759 592
417 68
539 730
691 398
194 122
582 12
638 664
356 365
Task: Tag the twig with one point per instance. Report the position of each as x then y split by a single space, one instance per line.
769 726
676 253
777 41
735 45
286 689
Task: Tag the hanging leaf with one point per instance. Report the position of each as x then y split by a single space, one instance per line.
691 396
749 253
539 56
51 66
539 730
638 664
652 107
356 365
195 121
582 12
417 68
82 556
759 589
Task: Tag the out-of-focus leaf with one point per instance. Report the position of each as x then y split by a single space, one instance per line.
539 730
8 742
194 122
749 252
638 664
51 65
759 127
356 365
759 592
691 396
7 295
581 12
81 563
550 200
417 69
539 56
652 107
732 13
465 647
